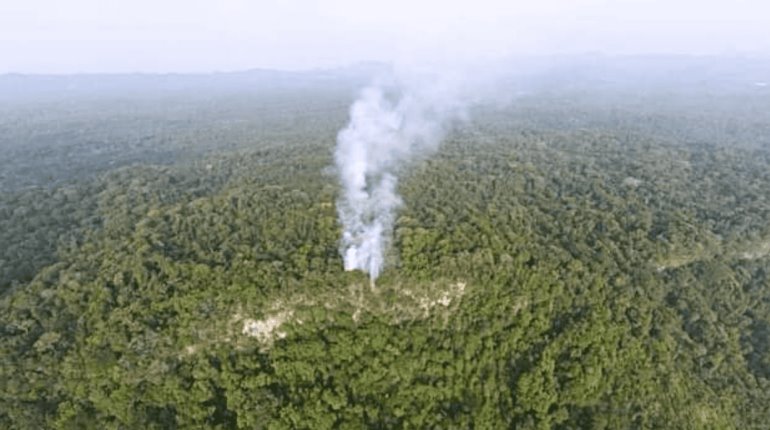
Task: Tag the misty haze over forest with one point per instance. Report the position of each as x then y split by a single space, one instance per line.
608 80
329 214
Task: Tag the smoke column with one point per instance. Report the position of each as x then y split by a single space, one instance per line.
388 127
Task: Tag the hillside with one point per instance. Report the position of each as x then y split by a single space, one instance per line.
591 258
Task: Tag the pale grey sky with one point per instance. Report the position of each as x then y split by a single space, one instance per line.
64 36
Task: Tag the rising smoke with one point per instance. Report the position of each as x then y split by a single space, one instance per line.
390 124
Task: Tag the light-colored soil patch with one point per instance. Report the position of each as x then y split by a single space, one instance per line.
427 303
751 251
261 328
268 329
396 304
760 251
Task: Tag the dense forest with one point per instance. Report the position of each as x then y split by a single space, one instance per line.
582 256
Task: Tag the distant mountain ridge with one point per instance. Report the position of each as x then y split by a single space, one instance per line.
16 85
528 74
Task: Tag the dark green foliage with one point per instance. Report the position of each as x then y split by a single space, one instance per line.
611 274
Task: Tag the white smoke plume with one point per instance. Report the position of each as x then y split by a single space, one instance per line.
389 125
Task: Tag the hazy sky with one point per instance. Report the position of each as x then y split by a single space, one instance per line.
61 36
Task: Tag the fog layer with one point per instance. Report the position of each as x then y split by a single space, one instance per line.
48 36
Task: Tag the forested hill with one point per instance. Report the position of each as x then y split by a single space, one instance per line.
575 259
